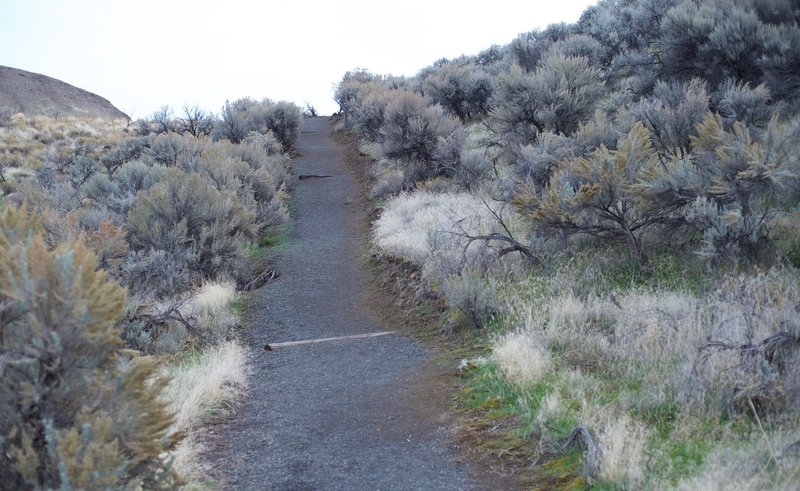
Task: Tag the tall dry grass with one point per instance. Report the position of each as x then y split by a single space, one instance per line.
205 385
696 358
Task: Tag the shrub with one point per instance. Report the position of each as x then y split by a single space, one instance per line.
128 150
157 274
743 183
751 106
232 125
580 45
346 93
242 116
119 193
598 195
161 121
527 50
421 136
474 168
195 122
535 163
283 120
251 180
171 150
462 89
781 55
369 116
75 412
672 114
187 212
557 97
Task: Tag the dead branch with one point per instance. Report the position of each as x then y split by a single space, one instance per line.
152 322
768 348
262 279
313 176
274 346
581 434
513 245
593 450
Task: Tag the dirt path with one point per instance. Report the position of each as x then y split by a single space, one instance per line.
352 414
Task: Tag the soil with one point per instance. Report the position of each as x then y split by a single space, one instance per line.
368 413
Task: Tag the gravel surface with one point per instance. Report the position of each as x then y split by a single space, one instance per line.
349 414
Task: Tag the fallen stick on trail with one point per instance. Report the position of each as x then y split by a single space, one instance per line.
313 176
273 346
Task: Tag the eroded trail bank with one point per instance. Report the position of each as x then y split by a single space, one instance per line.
365 413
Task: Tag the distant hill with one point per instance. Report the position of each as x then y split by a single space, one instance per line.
36 94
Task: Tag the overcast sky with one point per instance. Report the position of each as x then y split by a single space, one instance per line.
144 54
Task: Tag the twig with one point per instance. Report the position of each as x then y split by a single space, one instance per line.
262 279
763 433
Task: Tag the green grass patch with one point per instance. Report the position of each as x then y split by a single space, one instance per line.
271 240
239 306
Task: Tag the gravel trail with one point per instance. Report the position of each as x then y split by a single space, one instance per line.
350 414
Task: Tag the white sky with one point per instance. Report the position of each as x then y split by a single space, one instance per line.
143 54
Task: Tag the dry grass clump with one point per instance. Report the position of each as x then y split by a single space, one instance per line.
417 226
213 299
758 462
705 350
621 455
652 373
203 387
522 359
211 307
435 229
442 233
25 141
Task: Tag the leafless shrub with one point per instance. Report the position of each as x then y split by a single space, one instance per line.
195 122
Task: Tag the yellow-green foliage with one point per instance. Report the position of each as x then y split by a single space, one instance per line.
599 195
75 411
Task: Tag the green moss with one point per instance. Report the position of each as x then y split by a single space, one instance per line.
563 472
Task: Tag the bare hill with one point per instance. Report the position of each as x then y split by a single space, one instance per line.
36 94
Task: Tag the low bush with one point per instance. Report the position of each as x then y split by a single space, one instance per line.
187 212
462 88
239 118
76 411
425 140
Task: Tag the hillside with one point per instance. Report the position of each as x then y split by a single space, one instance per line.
36 94
611 207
